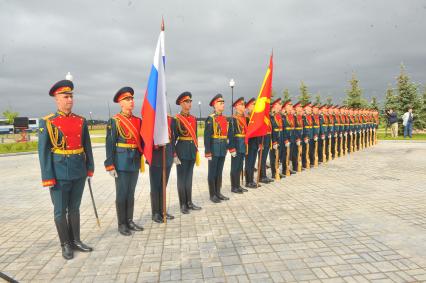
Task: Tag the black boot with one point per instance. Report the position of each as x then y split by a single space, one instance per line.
168 216
155 207
219 187
182 199
62 228
238 184
121 219
212 190
74 229
130 223
189 203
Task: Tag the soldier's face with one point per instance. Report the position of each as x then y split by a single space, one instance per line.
315 110
219 106
64 102
127 104
289 108
276 108
250 108
186 105
240 108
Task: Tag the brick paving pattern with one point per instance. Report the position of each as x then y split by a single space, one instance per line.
360 218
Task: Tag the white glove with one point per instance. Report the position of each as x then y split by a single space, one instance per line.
275 146
287 144
209 158
298 143
315 138
176 160
340 135
233 154
323 137
345 134
335 135
306 141
113 173
329 136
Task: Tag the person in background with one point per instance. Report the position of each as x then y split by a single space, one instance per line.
407 122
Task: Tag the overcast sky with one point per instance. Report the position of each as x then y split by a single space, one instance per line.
110 44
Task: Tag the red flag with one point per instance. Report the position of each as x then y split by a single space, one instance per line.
259 119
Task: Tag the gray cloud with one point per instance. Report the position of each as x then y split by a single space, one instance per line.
109 44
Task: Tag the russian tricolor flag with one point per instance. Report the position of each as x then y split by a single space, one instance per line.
154 129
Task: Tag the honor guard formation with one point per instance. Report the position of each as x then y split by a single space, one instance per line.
299 137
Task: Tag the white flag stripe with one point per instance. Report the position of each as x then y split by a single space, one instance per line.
161 132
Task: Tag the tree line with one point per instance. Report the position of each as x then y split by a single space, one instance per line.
399 96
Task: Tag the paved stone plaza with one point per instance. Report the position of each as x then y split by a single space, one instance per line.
360 218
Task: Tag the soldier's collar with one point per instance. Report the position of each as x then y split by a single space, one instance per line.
126 115
184 114
63 113
217 114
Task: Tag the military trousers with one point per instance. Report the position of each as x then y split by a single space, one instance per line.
237 163
184 174
214 176
265 153
250 160
66 197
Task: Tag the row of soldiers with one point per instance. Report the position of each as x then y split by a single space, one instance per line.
66 158
298 137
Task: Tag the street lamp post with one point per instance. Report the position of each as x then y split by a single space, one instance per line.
91 120
199 108
232 84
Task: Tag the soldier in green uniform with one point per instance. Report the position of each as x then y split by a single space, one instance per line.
308 136
277 138
316 119
156 174
216 136
185 131
66 161
331 132
237 145
323 142
288 138
253 148
298 136
266 146
124 149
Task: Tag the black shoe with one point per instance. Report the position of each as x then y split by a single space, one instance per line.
122 228
282 176
184 209
80 246
193 206
251 185
169 216
157 218
292 172
236 190
67 251
264 180
222 197
241 188
270 179
215 199
133 226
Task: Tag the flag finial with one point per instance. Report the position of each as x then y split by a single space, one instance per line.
162 24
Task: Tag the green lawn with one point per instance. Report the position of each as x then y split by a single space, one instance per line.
98 131
381 136
18 147
98 140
